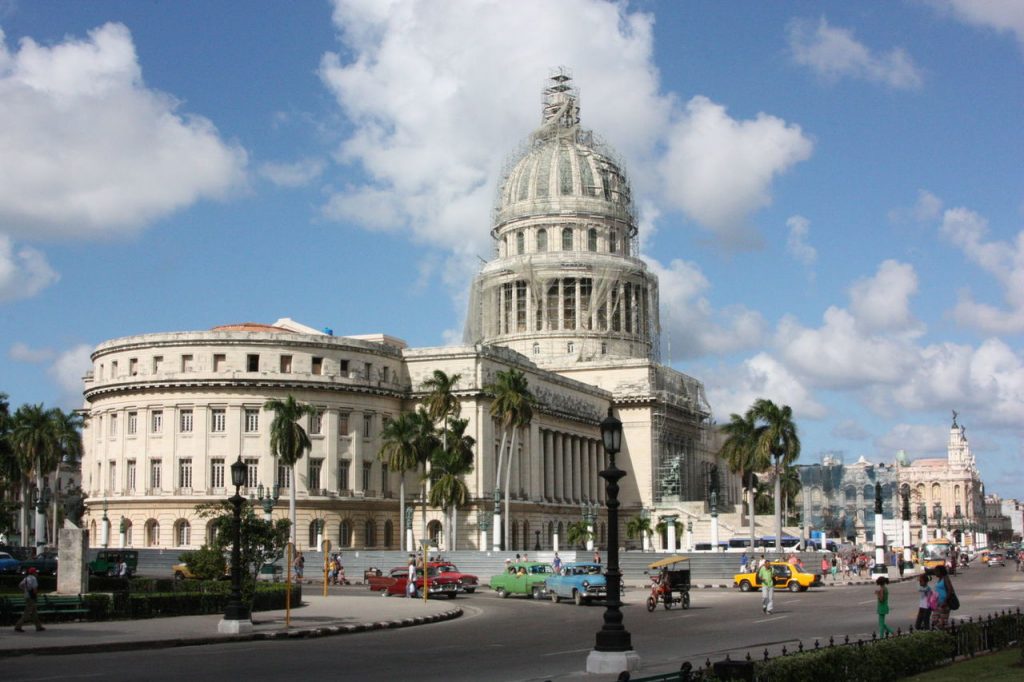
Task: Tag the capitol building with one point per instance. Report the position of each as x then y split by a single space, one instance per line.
565 299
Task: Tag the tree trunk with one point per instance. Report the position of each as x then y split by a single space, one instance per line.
496 541
40 518
778 507
401 513
24 510
753 517
508 476
291 507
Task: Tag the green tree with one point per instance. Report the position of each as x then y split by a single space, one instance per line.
289 441
513 407
427 441
578 533
661 528
638 526
449 465
398 453
740 454
205 563
10 469
67 431
37 448
777 438
441 404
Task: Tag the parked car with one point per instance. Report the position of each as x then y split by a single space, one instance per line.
45 563
181 571
397 580
997 559
787 576
524 577
467 581
108 561
8 564
578 581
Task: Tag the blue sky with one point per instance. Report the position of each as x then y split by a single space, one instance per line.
831 192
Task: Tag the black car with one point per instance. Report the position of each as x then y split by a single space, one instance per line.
45 563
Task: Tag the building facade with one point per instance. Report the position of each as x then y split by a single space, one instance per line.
565 300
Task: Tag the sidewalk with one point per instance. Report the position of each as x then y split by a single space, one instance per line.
319 617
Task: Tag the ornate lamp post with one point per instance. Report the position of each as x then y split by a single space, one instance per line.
42 500
268 501
589 516
646 514
105 527
714 520
905 512
689 535
123 530
236 615
937 516
879 535
922 513
499 543
613 651
485 516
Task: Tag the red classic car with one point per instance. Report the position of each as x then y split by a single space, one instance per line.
395 582
466 580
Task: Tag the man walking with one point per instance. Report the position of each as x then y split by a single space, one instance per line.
30 587
766 577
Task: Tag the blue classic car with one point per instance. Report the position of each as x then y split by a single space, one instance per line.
578 581
8 564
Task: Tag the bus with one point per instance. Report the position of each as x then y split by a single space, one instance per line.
935 553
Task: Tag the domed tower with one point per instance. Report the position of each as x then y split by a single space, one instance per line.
565 286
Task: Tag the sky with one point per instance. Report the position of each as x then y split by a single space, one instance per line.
831 193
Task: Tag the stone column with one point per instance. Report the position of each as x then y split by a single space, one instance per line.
575 443
72 549
549 467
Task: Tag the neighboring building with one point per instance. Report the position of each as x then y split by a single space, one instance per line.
566 300
841 498
1014 510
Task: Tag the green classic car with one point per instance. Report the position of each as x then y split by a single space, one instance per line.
524 577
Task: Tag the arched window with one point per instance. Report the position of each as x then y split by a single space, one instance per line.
370 530
345 533
313 525
152 533
92 533
613 242
504 246
182 533
211 532
936 493
551 533
536 349
851 496
592 239
127 533
520 243
542 240
566 239
434 529
389 533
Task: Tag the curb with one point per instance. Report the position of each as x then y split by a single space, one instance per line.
170 643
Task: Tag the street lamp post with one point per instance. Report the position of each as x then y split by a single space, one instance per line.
268 501
236 616
105 527
123 530
613 651
922 513
589 514
714 521
499 543
905 509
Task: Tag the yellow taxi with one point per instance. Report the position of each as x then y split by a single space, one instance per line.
786 576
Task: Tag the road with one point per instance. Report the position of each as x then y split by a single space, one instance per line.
521 639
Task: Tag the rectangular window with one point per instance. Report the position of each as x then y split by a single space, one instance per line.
112 469
217 472
154 474
220 362
158 363
386 374
343 466
252 420
384 488
185 421
367 425
252 363
366 474
284 476
157 421
133 366
185 472
569 303
252 473
343 424
133 423
286 364
343 367
186 363
130 476
318 365
218 420
113 425
113 369
313 480
316 423
520 306
368 369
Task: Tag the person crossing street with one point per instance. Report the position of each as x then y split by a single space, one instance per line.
766 577
30 587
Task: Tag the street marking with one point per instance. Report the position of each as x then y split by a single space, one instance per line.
568 651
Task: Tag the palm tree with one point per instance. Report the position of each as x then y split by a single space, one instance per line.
10 471
33 438
67 431
426 441
289 442
740 454
448 467
639 525
398 453
778 439
441 404
577 533
791 487
661 528
513 406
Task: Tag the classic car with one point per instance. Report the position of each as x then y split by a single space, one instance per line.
524 577
578 581
8 564
787 576
468 581
45 563
997 559
108 561
395 582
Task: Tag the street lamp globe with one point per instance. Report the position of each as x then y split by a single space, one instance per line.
611 434
238 473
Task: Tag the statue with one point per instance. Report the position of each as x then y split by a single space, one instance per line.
905 494
955 414
74 506
878 498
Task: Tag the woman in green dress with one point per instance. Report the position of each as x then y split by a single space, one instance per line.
882 595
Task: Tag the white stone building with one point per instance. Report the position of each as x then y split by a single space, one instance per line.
565 300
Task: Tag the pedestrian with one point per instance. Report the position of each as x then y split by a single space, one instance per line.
556 563
744 561
766 577
882 607
825 567
526 557
410 584
900 565
924 603
299 564
834 567
946 599
122 569
30 588
597 557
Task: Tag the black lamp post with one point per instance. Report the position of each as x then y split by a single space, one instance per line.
613 651
236 615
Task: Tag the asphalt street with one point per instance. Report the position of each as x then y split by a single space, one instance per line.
523 639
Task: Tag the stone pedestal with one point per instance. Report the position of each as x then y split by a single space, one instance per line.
612 662
234 627
73 570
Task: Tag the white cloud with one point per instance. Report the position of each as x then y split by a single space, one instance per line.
418 85
296 174
850 429
89 149
762 376
928 207
1001 15
796 243
967 230
719 170
882 302
833 52
918 440
23 353
24 271
67 371
690 323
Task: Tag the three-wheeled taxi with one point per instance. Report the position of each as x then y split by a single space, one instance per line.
671 582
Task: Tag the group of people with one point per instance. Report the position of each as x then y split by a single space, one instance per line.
934 602
335 570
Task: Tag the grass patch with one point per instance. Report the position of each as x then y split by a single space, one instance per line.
1003 665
